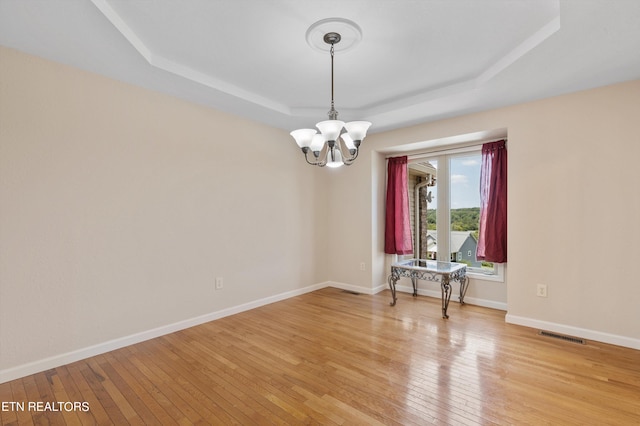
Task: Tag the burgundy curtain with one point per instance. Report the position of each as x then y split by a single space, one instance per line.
397 235
492 243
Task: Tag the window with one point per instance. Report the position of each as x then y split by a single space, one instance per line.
447 209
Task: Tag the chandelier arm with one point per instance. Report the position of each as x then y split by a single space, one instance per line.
348 155
349 161
315 163
320 157
306 157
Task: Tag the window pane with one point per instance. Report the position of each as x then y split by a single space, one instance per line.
464 181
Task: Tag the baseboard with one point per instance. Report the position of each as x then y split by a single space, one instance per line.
350 287
455 297
599 336
77 355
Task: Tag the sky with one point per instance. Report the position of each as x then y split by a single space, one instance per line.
465 182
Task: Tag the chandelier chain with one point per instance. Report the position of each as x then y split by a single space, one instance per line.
332 103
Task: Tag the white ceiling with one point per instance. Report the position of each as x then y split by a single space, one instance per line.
418 60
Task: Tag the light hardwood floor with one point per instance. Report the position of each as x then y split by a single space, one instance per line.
331 357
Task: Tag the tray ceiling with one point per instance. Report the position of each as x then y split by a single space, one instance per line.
418 60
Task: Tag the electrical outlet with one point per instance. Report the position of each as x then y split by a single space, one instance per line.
363 266
219 283
541 290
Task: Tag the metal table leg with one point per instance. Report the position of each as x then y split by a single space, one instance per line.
392 285
446 295
464 284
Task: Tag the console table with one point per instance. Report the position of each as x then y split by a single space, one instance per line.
430 270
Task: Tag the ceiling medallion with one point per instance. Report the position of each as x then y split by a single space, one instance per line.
349 31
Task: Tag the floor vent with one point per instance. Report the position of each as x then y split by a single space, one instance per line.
351 292
563 337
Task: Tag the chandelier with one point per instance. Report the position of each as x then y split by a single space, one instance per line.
338 142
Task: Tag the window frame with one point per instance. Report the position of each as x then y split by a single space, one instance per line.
443 215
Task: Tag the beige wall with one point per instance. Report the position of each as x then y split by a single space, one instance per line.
120 206
573 210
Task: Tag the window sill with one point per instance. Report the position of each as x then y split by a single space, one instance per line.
499 277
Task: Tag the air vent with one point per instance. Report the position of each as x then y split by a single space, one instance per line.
563 337
351 292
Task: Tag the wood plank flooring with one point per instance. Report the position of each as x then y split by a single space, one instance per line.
331 357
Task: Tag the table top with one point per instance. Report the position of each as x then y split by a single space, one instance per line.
429 265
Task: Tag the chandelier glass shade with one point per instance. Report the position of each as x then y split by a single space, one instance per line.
337 142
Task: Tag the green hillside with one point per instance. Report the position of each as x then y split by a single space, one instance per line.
466 219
